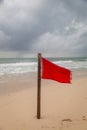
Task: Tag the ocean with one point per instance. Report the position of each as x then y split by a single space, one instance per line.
9 66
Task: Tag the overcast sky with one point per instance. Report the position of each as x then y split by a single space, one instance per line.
48 26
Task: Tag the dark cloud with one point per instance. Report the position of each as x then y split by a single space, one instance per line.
46 21
1 1
77 8
23 28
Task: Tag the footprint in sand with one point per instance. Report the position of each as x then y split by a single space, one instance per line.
67 124
84 118
69 120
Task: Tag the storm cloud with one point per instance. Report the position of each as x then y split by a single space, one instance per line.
1 1
47 26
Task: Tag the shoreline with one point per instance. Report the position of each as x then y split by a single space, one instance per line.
76 73
29 80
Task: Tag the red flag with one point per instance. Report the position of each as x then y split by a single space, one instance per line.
55 72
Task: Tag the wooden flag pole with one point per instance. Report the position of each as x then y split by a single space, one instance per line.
39 88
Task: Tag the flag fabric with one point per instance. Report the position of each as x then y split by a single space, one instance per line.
55 72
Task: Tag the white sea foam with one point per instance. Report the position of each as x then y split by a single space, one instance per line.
16 68
26 67
73 64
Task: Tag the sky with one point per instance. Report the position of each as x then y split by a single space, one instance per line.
56 27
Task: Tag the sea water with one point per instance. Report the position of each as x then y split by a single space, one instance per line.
26 65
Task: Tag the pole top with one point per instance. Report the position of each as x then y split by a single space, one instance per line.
39 53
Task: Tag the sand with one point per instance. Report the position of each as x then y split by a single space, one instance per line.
63 106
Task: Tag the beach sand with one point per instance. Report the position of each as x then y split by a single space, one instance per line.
63 106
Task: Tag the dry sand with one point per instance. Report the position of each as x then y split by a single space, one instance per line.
63 106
